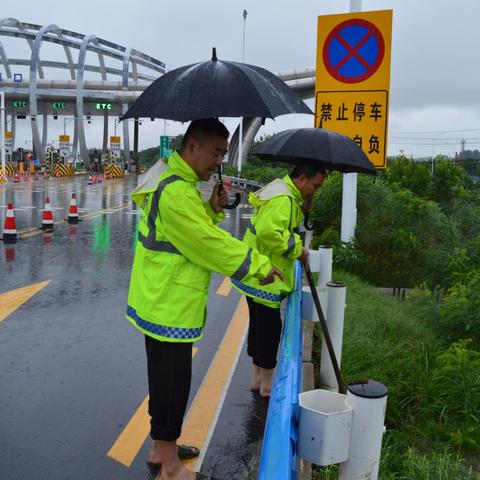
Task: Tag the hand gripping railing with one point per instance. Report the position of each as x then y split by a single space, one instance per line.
279 450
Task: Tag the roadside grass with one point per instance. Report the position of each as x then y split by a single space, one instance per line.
432 420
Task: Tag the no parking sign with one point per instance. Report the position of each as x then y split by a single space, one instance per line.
353 78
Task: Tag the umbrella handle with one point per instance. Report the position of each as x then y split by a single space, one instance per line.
341 383
238 197
306 224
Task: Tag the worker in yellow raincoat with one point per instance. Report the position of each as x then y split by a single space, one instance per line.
279 210
179 244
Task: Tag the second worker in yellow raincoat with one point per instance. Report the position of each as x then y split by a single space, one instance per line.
279 208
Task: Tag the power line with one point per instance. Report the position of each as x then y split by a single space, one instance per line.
438 131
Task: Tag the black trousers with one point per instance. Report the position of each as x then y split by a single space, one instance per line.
169 377
264 331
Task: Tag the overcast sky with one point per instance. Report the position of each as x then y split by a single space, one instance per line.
435 66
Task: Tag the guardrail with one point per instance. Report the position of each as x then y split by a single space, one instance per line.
240 182
279 450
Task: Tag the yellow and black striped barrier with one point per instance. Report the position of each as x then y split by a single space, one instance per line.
10 170
62 170
114 172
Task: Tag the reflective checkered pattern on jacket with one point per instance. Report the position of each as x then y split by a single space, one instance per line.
163 331
255 292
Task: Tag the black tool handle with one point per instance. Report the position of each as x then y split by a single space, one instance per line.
307 224
342 388
238 197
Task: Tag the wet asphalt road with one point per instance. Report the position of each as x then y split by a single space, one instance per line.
72 370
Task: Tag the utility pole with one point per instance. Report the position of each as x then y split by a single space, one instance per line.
240 129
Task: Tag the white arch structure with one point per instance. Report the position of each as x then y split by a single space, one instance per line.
38 86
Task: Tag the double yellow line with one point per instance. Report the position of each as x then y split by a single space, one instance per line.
201 419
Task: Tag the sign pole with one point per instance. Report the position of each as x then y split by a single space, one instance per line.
349 195
2 127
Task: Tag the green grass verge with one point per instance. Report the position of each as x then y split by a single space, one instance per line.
433 429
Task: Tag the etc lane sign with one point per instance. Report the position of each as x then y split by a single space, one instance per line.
353 78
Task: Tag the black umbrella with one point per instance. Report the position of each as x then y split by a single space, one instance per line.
217 89
332 150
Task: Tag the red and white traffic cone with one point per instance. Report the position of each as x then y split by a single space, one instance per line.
16 179
10 228
90 181
73 211
47 218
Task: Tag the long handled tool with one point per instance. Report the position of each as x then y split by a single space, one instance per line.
238 197
341 384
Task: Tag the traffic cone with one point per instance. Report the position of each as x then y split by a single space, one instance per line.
10 228
90 181
16 179
47 218
72 211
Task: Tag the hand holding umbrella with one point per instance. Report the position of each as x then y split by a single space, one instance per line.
238 197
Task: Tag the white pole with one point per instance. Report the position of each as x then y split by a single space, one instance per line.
369 402
240 137
324 275
336 293
326 257
349 196
2 127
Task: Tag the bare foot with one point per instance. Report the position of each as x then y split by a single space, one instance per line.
266 384
256 378
180 473
155 456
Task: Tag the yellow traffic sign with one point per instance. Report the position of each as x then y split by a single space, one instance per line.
64 138
361 115
353 78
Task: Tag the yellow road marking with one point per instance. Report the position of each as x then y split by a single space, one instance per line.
201 418
133 436
10 301
225 287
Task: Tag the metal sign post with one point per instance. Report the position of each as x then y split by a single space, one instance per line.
2 129
351 92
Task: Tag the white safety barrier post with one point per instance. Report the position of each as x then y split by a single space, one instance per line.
369 402
2 127
336 294
324 275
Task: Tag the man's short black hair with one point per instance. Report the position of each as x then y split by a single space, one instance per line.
309 169
203 128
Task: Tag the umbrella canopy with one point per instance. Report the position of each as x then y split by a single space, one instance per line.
332 150
217 89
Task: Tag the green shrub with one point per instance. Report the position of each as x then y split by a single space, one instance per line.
460 309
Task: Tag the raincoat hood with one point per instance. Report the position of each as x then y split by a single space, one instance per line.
148 182
279 186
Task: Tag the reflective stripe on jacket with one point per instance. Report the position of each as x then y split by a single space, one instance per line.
178 245
277 214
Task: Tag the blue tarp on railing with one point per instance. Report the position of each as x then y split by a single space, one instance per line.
279 451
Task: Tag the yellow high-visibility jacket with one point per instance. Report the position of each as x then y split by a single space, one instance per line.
277 214
178 245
